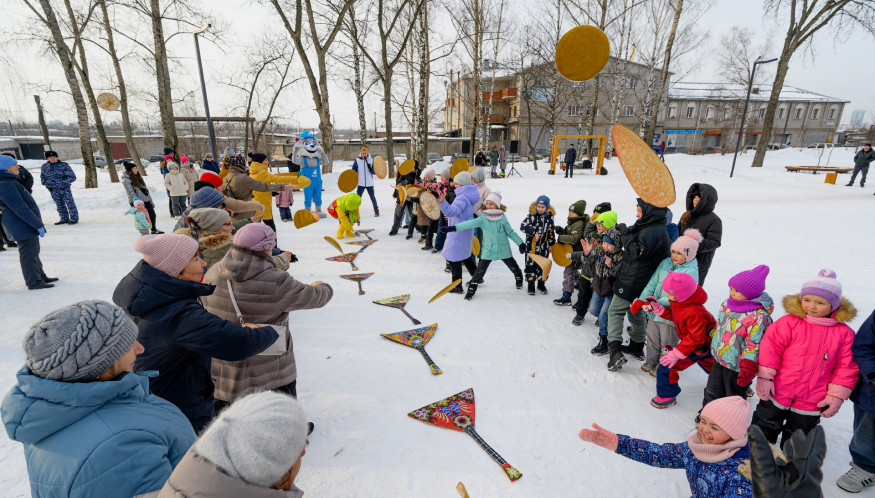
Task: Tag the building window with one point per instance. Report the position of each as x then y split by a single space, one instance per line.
780 113
832 113
709 112
631 82
574 110
628 110
815 113
691 110
673 111
648 112
762 113
727 112
798 113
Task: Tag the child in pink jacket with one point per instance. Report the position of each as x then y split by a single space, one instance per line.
806 367
284 201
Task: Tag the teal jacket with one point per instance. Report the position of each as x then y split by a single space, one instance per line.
496 231
654 286
89 439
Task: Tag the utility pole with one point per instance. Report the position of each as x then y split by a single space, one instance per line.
42 123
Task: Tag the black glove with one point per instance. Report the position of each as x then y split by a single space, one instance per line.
799 476
131 203
292 257
523 248
447 229
559 230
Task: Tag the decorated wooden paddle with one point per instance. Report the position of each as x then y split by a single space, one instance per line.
333 242
417 339
445 290
398 302
365 231
357 278
363 243
347 258
457 413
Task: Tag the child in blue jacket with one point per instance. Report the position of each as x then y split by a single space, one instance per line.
711 456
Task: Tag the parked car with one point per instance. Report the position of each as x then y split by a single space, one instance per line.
100 161
459 155
152 159
820 146
434 157
778 146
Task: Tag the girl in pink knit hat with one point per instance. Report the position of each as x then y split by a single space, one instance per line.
806 367
710 457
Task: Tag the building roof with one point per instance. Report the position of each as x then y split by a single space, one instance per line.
683 90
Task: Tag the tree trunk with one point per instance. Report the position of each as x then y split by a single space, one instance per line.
777 86
424 75
663 76
66 60
122 90
357 87
162 72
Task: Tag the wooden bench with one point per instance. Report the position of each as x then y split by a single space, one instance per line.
815 169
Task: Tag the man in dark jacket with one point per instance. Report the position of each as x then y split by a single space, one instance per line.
26 180
57 176
644 244
862 159
701 199
570 157
180 337
400 207
22 222
862 445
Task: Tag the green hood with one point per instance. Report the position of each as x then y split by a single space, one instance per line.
349 202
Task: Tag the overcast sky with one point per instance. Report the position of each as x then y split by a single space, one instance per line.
839 68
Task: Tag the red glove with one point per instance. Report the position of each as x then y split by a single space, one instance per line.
747 370
602 437
636 306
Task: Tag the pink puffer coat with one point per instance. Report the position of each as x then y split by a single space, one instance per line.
808 356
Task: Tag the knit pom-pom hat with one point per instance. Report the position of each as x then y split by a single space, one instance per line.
824 285
750 283
495 197
680 285
214 179
207 197
169 253
688 244
256 237
209 219
732 414
463 178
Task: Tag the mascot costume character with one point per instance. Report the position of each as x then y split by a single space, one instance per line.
310 157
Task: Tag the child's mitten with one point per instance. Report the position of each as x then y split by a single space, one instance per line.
636 306
765 388
671 358
747 370
600 436
523 248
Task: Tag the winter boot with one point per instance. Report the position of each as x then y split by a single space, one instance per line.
565 300
578 319
662 403
856 479
542 288
634 349
457 290
376 213
519 281
851 184
617 359
447 268
601 348
531 287
321 214
472 289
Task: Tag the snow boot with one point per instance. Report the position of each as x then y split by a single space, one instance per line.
447 268
472 289
531 287
601 348
578 319
634 349
649 368
851 184
321 214
856 479
617 359
376 213
663 403
541 287
519 281
565 300
457 290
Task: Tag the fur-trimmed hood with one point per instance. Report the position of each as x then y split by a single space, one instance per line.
845 313
214 240
549 210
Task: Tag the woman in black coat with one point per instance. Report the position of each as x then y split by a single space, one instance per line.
162 293
135 186
701 199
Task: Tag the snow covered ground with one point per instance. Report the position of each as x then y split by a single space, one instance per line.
535 381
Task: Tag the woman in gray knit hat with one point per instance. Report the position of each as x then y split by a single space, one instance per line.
89 426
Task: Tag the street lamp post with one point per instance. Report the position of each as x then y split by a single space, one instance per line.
744 112
200 67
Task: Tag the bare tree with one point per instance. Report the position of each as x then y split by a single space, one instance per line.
678 7
65 56
317 78
804 19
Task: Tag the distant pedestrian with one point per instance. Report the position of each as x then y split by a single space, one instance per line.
494 157
861 164
502 161
364 166
570 157
23 224
135 187
662 151
57 176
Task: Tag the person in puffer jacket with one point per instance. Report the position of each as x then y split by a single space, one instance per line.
661 332
346 210
457 248
540 237
89 425
578 222
741 324
806 365
701 200
711 456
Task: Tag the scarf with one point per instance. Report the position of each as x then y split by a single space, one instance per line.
493 214
713 453
824 321
743 306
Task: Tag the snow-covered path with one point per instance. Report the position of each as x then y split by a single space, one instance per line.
535 381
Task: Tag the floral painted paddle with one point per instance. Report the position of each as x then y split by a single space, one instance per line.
417 339
357 278
348 258
398 302
457 413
